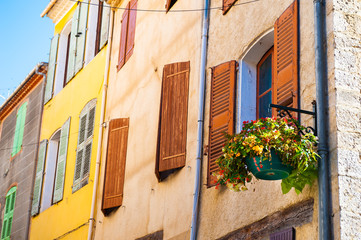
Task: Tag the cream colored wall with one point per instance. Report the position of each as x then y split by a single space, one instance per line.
223 211
135 92
71 213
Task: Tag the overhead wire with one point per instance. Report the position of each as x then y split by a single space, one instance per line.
165 11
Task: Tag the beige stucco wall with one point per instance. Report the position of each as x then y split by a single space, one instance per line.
231 35
134 92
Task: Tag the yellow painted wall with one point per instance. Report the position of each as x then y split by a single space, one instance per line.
74 210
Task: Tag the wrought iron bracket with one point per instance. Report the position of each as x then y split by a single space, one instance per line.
285 111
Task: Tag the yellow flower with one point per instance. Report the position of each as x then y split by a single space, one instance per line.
238 154
258 149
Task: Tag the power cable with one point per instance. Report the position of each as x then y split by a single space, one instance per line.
164 11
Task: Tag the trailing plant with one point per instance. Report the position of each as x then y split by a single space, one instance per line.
257 138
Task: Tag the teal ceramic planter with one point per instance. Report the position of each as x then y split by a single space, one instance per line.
268 169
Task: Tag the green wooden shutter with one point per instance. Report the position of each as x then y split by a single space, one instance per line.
80 151
60 167
51 68
72 45
19 129
39 177
104 25
81 36
9 212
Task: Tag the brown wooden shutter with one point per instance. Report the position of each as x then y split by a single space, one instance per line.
115 163
169 4
173 116
227 4
131 29
285 86
123 38
221 120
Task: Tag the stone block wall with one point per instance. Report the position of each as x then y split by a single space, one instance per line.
347 75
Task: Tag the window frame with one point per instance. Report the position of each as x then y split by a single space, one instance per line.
259 64
83 180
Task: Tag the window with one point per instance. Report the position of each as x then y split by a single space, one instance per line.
77 40
172 139
226 5
169 4
102 26
264 85
84 148
89 27
19 129
127 33
268 74
271 59
9 212
49 184
115 164
221 112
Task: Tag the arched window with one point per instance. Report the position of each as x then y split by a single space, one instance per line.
84 147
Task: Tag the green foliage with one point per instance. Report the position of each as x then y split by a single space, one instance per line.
257 138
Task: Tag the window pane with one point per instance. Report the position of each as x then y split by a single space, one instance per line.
265 75
264 103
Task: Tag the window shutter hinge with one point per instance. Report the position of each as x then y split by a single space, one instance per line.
205 150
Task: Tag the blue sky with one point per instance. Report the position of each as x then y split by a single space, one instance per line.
24 41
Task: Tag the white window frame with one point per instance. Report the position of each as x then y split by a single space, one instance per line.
246 104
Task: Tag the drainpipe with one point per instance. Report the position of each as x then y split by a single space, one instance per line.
325 227
101 126
202 89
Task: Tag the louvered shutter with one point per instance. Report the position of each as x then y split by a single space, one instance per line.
83 155
285 87
288 234
131 29
221 111
123 38
168 5
174 114
61 164
39 177
19 129
8 215
104 25
115 163
51 68
81 36
226 5
72 45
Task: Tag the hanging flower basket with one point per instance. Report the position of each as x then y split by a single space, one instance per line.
270 168
270 149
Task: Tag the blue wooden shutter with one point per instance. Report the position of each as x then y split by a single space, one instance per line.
60 167
81 36
39 178
51 68
72 45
